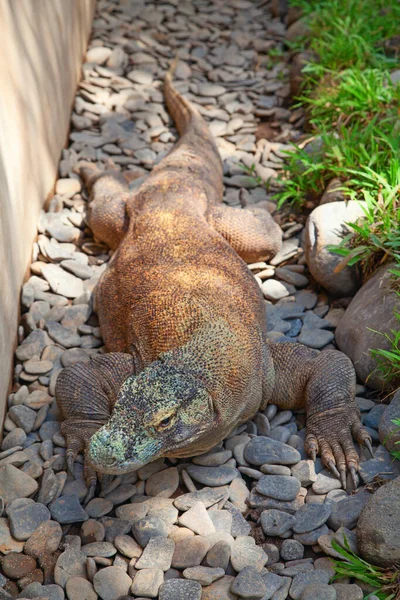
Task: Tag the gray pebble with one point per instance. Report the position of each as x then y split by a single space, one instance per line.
148 527
291 550
212 476
279 487
111 583
67 509
302 580
322 591
25 516
276 522
261 450
180 589
311 516
249 584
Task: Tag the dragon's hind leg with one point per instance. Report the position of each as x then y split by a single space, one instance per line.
110 204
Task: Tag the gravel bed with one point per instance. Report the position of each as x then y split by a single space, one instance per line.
254 517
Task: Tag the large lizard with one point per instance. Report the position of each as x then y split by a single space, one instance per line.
184 324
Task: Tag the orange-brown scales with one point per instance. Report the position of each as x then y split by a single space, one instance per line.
184 323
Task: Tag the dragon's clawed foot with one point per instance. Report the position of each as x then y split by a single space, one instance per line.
76 444
331 434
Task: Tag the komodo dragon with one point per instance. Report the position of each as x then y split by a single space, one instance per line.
184 323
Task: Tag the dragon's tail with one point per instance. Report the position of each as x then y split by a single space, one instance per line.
180 109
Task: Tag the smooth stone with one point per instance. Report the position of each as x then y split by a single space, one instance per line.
15 484
262 450
379 525
274 290
345 513
7 542
221 519
291 550
179 589
71 563
325 483
23 416
219 590
209 497
346 591
148 527
62 335
275 470
44 540
98 507
61 282
25 516
164 483
111 583
369 318
322 591
279 487
198 520
33 345
315 338
249 584
382 464
212 476
103 549
302 580
129 547
275 522
15 565
311 516
310 538
67 509
114 527
327 226
78 588
274 584
121 494
203 575
215 459
389 432
131 512
157 554
17 437
245 553
190 552
304 471
219 555
239 524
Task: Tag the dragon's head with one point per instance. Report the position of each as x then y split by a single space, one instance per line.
157 412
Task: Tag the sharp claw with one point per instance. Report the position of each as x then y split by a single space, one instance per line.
332 467
353 473
313 454
90 493
70 464
343 478
368 445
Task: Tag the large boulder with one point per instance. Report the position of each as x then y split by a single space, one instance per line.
389 432
371 310
379 526
327 226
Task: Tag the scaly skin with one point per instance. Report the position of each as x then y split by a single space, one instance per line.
184 323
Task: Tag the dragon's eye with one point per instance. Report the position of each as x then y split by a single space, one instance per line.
165 422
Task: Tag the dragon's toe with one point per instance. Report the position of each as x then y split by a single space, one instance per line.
331 434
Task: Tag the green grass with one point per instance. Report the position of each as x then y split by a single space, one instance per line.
388 361
347 33
385 582
352 109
